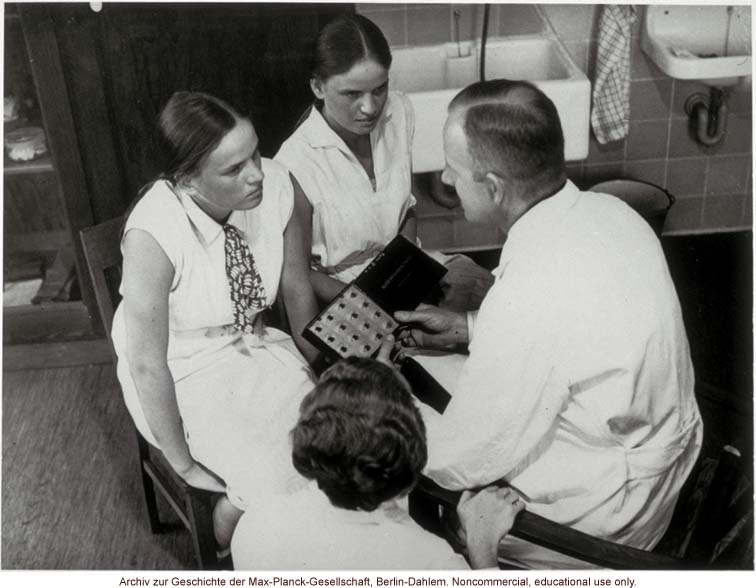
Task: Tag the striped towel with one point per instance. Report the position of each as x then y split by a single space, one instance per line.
611 90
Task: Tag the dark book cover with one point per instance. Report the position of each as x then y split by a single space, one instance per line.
400 277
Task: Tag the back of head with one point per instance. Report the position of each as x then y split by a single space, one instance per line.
192 125
344 42
359 435
513 129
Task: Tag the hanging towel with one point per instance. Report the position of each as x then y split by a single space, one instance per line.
611 90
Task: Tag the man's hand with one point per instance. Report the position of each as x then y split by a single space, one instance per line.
486 517
431 327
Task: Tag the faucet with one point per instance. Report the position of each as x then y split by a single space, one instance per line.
457 14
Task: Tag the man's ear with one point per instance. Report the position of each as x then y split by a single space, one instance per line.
496 188
317 88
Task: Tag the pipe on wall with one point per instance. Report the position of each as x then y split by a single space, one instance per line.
708 116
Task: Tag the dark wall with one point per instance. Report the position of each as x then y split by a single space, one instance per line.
713 274
123 63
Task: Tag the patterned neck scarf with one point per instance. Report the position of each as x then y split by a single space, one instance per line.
247 290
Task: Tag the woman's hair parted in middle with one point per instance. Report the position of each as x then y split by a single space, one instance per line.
344 42
192 125
360 435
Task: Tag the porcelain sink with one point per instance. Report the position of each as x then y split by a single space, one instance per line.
711 44
432 75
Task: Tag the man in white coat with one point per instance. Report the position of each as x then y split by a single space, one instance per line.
578 387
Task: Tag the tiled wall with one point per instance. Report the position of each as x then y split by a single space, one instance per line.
713 185
422 24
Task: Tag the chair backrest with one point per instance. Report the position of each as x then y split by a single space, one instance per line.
102 252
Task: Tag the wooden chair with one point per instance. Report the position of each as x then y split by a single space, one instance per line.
193 506
719 533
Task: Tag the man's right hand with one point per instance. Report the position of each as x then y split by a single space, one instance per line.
431 327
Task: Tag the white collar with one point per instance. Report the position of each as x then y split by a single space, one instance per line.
205 225
545 212
318 133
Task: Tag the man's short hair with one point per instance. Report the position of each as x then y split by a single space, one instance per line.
513 129
360 435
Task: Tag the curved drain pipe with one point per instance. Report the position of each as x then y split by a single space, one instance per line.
708 116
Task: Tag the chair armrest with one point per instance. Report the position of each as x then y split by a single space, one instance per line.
541 531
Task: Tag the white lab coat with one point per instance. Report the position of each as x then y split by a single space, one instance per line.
578 388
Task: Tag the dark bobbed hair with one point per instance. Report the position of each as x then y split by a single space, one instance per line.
360 435
345 41
191 125
513 129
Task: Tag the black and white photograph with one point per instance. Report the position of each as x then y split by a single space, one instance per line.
377 288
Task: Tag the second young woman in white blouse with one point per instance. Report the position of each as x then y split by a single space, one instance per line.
351 161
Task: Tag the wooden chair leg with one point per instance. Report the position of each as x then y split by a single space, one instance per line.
150 498
200 514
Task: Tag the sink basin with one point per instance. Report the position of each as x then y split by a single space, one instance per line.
711 44
432 75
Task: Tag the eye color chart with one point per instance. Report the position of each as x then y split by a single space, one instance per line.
359 319
353 325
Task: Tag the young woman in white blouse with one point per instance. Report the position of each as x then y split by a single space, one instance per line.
207 248
351 162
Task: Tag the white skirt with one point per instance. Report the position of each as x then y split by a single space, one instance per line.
237 410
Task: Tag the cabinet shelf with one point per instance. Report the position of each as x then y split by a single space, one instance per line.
37 166
46 322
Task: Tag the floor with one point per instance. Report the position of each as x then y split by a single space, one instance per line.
71 495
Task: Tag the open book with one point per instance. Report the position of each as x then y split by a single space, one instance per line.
360 317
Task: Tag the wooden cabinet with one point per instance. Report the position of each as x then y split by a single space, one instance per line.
45 202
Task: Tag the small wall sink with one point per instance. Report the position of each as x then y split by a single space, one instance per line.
711 44
431 76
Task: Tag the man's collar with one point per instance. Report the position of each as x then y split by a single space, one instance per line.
552 207
553 204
